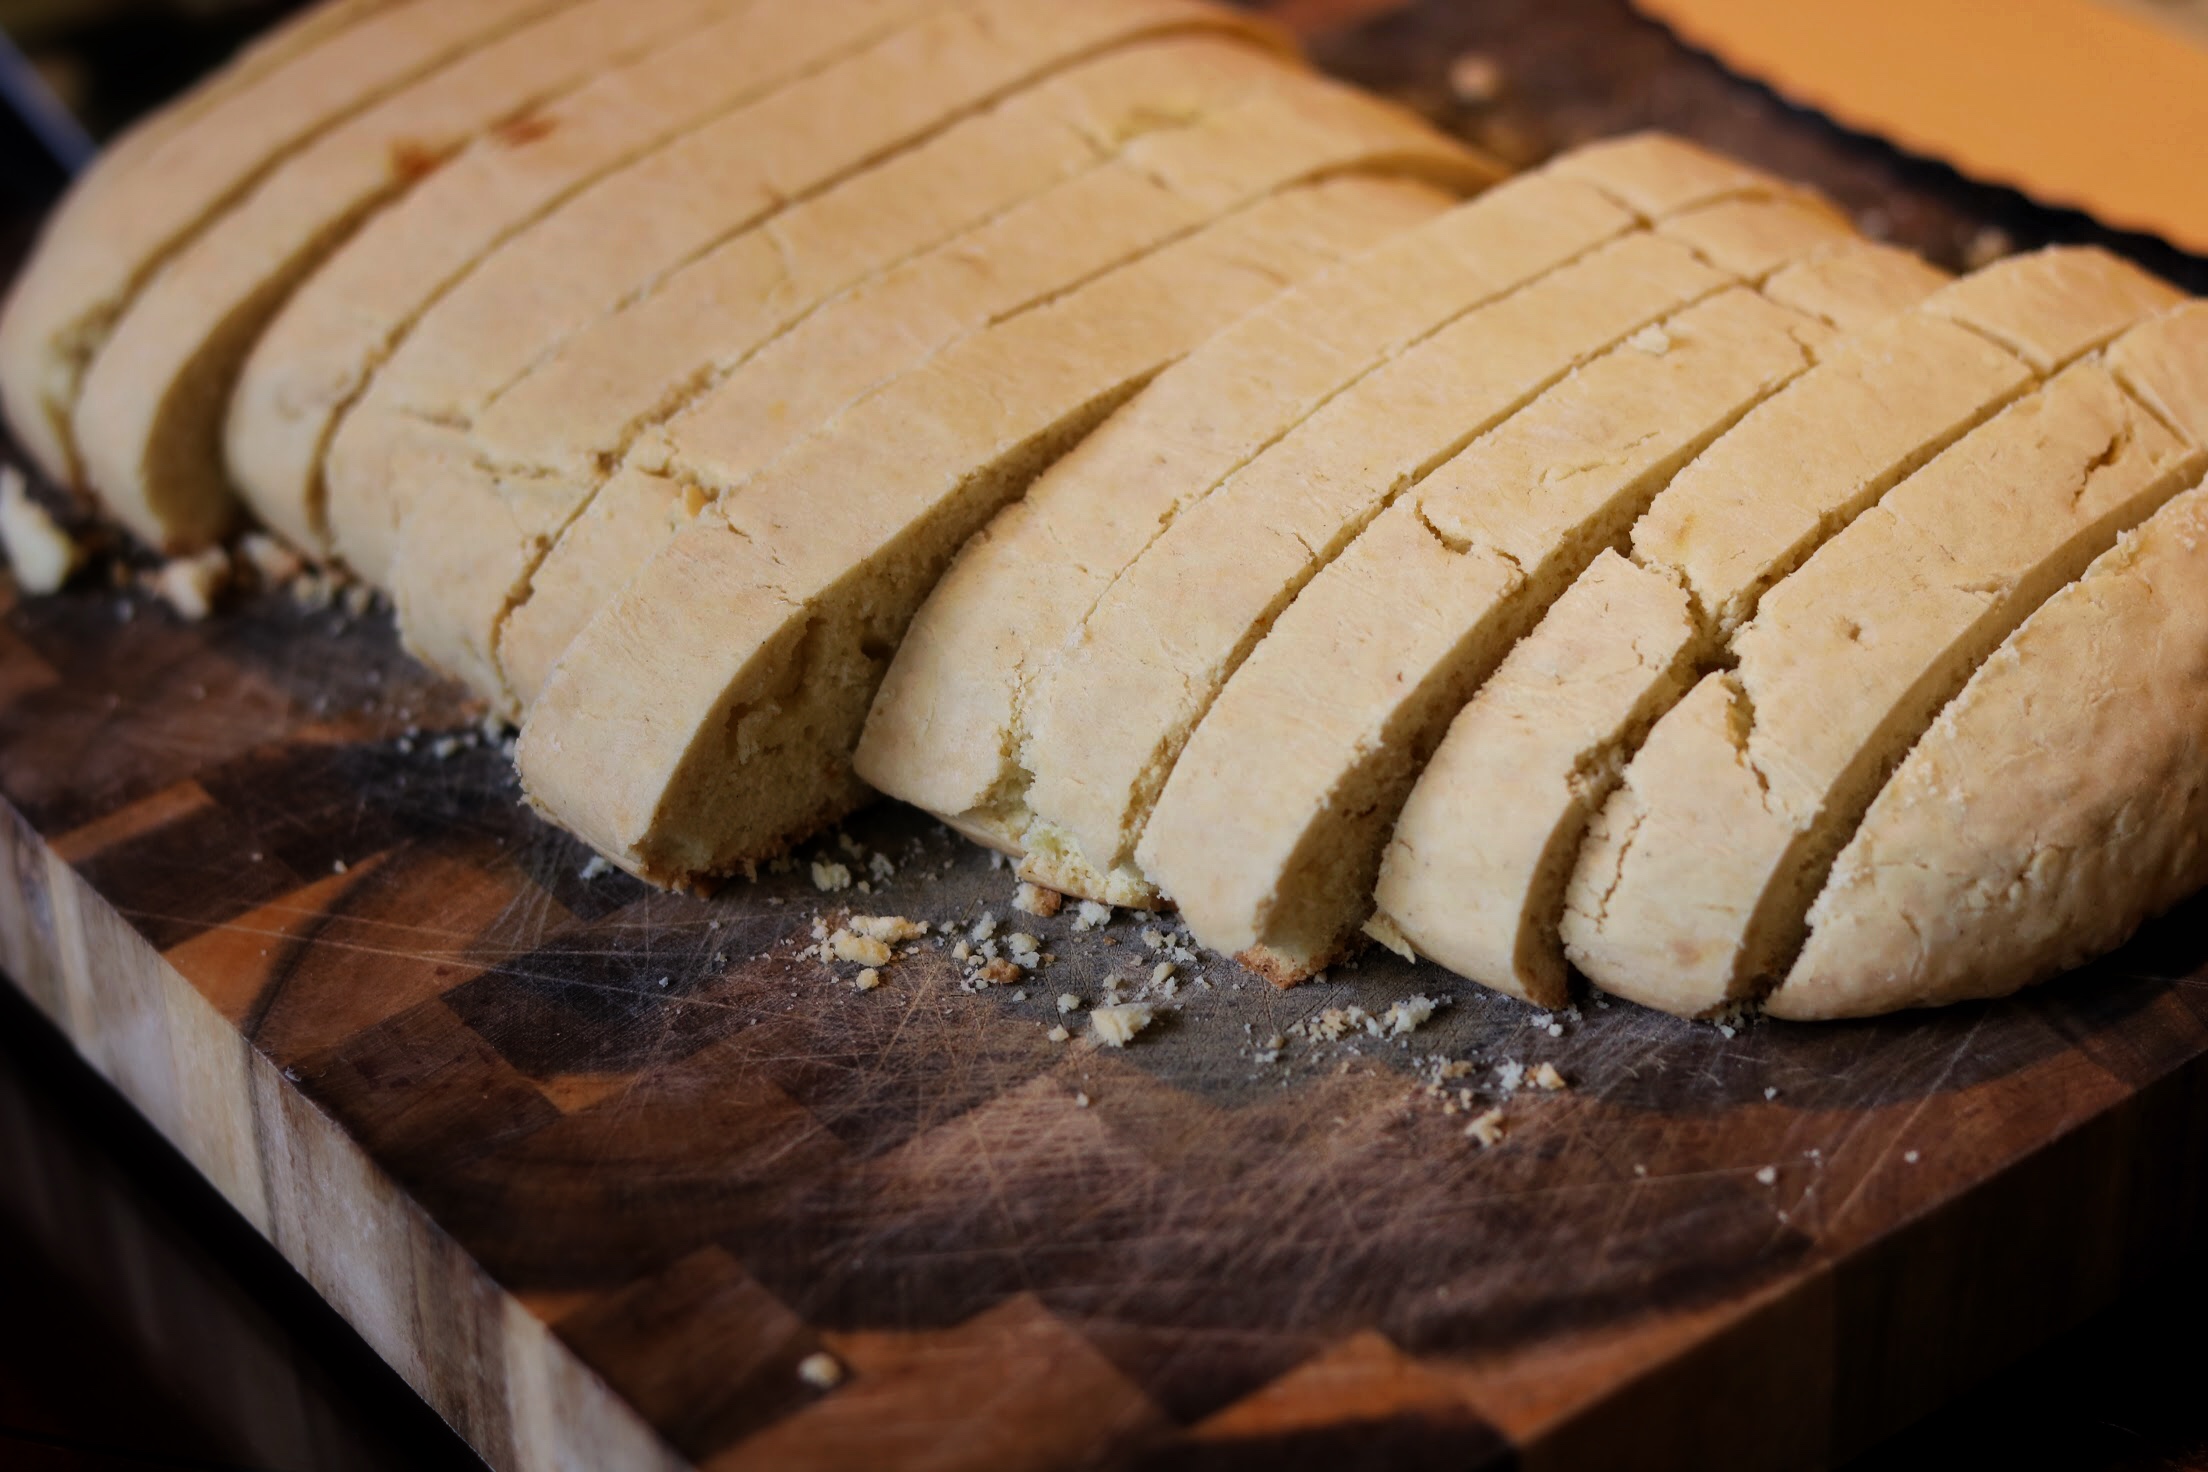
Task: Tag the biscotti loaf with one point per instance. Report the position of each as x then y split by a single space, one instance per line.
1486 845
731 734
1184 474
619 239
460 569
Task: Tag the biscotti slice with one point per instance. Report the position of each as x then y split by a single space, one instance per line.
466 551
1693 889
1475 873
617 240
1508 801
706 718
321 348
1268 833
582 410
148 420
946 728
2058 802
145 199
1112 712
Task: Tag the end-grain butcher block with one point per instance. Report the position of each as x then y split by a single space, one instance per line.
147 199
466 550
1476 875
345 319
622 237
707 716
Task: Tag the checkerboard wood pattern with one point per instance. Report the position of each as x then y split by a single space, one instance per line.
598 1168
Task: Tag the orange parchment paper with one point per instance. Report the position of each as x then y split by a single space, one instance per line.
2098 105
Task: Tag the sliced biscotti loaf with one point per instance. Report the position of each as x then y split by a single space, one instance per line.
617 240
586 403
148 419
1693 890
1269 831
466 550
1486 844
1110 716
2060 801
321 348
560 426
706 718
1529 762
946 729
153 192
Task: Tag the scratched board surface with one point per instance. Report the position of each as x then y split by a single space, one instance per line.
601 1169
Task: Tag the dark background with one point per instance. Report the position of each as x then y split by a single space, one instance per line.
144 1325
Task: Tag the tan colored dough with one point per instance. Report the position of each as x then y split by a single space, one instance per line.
706 717
1801 467
1114 711
1692 892
2054 306
327 340
464 560
1170 182
1856 288
1657 176
2057 804
584 408
619 239
150 195
2164 364
1268 833
1794 472
946 729
148 419
1474 876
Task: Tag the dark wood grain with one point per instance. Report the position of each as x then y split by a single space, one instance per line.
597 1168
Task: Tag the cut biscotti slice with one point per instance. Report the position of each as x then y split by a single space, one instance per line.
151 194
706 718
617 240
466 550
1111 714
1693 889
946 729
1508 801
1268 833
321 348
1474 876
148 419
584 407
2056 804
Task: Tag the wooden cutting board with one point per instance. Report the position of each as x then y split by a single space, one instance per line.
598 1169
